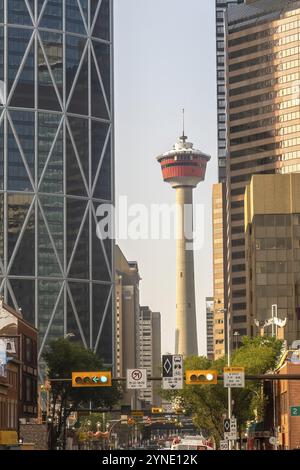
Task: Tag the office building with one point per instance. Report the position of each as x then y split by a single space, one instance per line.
56 167
221 6
219 269
209 303
150 354
262 73
184 167
272 230
127 315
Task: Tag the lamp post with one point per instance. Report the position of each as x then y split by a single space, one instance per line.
225 312
236 336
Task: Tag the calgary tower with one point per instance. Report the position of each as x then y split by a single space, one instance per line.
183 168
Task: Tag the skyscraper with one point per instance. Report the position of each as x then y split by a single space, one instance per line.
183 168
150 353
221 6
56 166
263 73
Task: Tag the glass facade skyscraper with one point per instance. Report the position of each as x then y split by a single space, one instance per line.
56 166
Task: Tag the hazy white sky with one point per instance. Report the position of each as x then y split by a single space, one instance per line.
164 61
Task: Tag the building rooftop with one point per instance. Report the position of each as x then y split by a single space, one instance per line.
269 9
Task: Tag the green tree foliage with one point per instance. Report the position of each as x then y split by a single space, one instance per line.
63 357
208 403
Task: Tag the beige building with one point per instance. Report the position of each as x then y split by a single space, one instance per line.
272 234
150 354
127 304
219 267
263 76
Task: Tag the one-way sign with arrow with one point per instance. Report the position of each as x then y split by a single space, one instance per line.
172 366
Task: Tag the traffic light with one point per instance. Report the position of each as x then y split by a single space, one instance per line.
130 421
91 379
201 377
156 410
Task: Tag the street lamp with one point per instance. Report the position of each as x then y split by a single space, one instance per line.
225 312
236 337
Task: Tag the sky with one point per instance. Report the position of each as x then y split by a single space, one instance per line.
164 61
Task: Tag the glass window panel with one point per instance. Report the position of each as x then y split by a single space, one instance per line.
18 13
23 95
47 129
53 45
24 124
1 155
53 207
17 208
74 21
72 326
75 184
102 53
1 58
74 49
104 349
18 40
100 271
102 24
1 227
52 16
81 296
75 213
80 132
100 297
47 297
53 178
47 261
99 133
17 174
103 185
24 291
47 94
1 11
84 7
80 264
24 261
79 99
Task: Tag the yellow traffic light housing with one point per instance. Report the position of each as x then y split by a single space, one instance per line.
91 379
156 411
201 377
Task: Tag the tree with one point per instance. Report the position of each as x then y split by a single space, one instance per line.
208 403
63 357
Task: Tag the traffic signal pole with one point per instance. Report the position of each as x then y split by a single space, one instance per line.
228 365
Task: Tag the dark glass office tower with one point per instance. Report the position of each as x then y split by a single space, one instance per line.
56 166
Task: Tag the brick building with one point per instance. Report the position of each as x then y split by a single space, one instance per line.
288 403
18 373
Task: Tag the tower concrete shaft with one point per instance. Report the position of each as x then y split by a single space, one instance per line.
186 325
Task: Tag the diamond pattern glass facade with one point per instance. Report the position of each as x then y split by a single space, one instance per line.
56 166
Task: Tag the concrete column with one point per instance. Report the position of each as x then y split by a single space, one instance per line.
186 327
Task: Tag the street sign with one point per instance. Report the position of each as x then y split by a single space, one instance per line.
167 407
136 379
234 377
172 372
137 414
295 410
224 445
230 429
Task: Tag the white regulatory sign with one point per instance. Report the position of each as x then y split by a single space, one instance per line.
172 372
224 445
234 377
136 379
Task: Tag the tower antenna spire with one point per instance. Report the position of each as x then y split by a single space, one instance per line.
183 137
